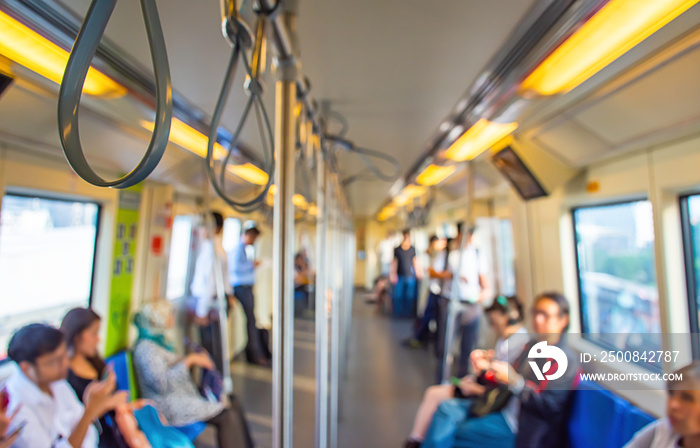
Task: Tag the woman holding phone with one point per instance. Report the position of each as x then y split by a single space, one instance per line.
81 326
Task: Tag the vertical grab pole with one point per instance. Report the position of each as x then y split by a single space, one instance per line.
283 257
322 272
454 305
335 318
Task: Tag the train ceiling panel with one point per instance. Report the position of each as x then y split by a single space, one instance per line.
571 141
665 98
394 68
17 105
113 147
655 99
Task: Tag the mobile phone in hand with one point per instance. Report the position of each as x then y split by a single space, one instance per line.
455 381
109 368
4 398
19 428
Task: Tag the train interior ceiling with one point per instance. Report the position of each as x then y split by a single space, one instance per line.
581 182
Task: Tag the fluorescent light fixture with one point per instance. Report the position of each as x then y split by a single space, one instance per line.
610 33
300 201
26 47
187 137
387 212
250 173
434 174
408 194
478 139
194 141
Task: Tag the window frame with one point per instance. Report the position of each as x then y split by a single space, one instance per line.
579 285
47 195
690 274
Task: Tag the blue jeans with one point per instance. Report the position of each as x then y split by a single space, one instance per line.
452 427
404 297
430 313
244 294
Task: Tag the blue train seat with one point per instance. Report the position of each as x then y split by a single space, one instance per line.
602 419
636 420
124 370
126 380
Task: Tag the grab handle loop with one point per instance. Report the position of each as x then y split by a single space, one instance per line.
81 56
254 88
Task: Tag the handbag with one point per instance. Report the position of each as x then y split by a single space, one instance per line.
494 399
212 385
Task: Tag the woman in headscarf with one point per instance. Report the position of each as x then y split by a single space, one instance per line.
164 377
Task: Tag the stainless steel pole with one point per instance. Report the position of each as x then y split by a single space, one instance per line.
283 257
335 321
454 306
322 272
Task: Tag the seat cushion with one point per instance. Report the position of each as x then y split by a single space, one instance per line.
597 418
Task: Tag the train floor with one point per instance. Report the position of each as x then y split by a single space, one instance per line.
379 394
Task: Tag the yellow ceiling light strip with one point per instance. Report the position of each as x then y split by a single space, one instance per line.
478 139
25 47
610 33
250 173
187 137
386 213
300 201
194 141
434 174
408 194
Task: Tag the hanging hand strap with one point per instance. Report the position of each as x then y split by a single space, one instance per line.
81 56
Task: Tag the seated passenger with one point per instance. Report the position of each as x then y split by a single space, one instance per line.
302 280
505 317
81 328
48 405
536 413
164 377
681 427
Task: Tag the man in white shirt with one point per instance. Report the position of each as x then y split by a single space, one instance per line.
210 258
472 288
46 405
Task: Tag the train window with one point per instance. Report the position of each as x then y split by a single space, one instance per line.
179 262
617 278
47 254
505 256
232 234
690 209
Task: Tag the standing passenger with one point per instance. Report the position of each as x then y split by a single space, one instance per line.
211 257
242 276
405 271
437 264
43 399
472 287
